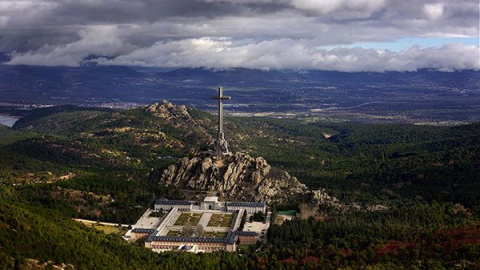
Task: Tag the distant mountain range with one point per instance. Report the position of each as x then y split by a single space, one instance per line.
423 94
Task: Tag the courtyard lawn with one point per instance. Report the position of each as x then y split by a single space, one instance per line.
194 218
158 214
173 233
220 220
227 220
182 219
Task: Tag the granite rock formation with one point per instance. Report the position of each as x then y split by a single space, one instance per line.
234 177
169 112
180 117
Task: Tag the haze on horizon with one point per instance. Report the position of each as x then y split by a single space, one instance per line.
342 35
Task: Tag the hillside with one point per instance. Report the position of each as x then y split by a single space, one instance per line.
104 164
389 161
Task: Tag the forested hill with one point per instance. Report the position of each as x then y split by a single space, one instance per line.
355 162
101 164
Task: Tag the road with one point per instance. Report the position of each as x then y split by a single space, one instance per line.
101 223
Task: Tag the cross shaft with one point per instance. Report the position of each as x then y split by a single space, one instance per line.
220 98
221 146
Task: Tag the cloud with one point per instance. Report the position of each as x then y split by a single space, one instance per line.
96 40
341 9
287 53
249 33
434 11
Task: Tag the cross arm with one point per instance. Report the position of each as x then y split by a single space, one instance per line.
223 97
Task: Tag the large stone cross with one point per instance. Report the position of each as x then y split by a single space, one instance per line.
221 146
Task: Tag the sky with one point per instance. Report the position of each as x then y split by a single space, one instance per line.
342 35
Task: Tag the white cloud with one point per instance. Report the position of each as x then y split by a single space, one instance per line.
287 53
434 11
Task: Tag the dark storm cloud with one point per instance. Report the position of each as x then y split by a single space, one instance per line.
228 33
112 11
23 40
84 12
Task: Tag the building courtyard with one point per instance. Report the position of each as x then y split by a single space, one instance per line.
206 226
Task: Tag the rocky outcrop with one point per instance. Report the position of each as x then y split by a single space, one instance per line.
321 197
171 113
235 177
181 118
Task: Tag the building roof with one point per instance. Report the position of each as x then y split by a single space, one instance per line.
143 230
211 199
243 233
247 204
231 240
163 201
187 239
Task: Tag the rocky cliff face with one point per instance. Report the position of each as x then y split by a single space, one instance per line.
235 177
